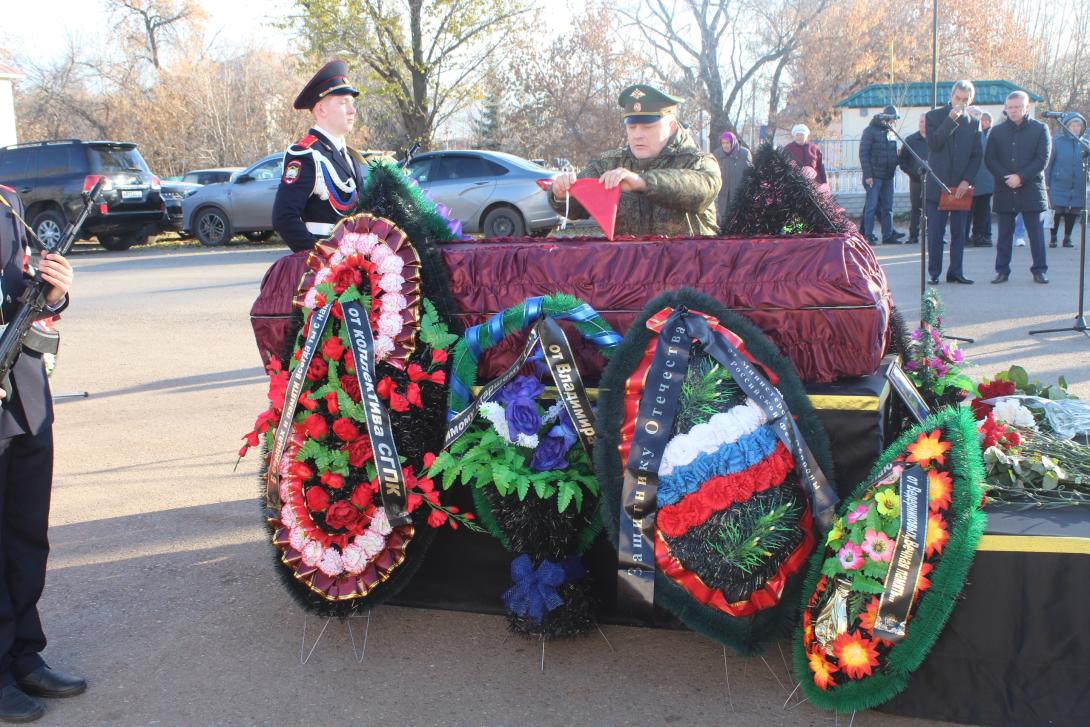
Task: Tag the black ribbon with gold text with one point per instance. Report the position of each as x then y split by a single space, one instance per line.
639 492
906 561
390 478
298 376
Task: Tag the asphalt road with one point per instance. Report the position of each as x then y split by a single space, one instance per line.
161 588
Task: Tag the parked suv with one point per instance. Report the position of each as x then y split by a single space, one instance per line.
51 176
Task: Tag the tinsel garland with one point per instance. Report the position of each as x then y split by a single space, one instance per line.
775 199
933 607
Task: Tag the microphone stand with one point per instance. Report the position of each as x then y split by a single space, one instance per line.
929 172
1080 316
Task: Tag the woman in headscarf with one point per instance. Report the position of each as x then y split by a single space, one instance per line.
1066 179
807 155
734 160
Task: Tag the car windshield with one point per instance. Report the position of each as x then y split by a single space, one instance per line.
116 159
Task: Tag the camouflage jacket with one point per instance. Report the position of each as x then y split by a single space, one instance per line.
682 183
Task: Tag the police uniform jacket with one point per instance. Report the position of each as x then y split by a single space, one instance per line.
29 409
319 187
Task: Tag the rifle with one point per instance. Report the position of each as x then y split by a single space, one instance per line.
32 301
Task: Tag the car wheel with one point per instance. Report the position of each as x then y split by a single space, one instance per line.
212 228
122 241
259 236
504 222
49 226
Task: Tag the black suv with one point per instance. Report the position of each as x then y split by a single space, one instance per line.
50 177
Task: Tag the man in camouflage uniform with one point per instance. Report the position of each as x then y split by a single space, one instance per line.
668 185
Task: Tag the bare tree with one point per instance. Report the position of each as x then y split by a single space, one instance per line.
149 24
720 47
427 56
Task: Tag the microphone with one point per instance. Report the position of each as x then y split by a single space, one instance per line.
1054 114
887 117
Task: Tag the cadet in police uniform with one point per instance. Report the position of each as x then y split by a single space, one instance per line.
322 177
26 479
668 185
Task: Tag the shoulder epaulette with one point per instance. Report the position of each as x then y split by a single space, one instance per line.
305 143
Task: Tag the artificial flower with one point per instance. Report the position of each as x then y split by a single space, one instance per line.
332 404
341 514
925 582
522 387
301 471
550 454
316 427
312 552
345 277
359 451
851 556
823 670
363 495
889 503
354 559
385 387
384 346
297 538
927 448
332 480
869 616
438 355
836 532
333 349
371 543
878 546
398 402
493 412
318 369
331 563
306 402
413 395
416 372
937 534
439 377
939 490
287 516
522 417
859 513
346 430
317 499
351 386
380 523
855 654
437 518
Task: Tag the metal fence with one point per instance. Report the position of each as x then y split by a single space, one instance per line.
843 171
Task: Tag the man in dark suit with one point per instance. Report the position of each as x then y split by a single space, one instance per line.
1017 152
322 177
953 143
26 478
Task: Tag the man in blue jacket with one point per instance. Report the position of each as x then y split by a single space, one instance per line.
878 158
1017 152
953 142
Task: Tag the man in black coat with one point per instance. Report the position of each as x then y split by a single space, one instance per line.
26 478
1016 155
878 158
953 142
917 142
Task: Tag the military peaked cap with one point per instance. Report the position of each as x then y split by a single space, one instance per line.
331 80
645 104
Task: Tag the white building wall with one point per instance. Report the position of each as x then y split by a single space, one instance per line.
7 112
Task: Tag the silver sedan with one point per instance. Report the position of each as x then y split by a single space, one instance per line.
489 192
217 212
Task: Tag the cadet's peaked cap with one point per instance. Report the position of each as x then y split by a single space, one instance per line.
331 80
645 104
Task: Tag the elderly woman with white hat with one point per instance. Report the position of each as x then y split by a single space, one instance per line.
807 155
